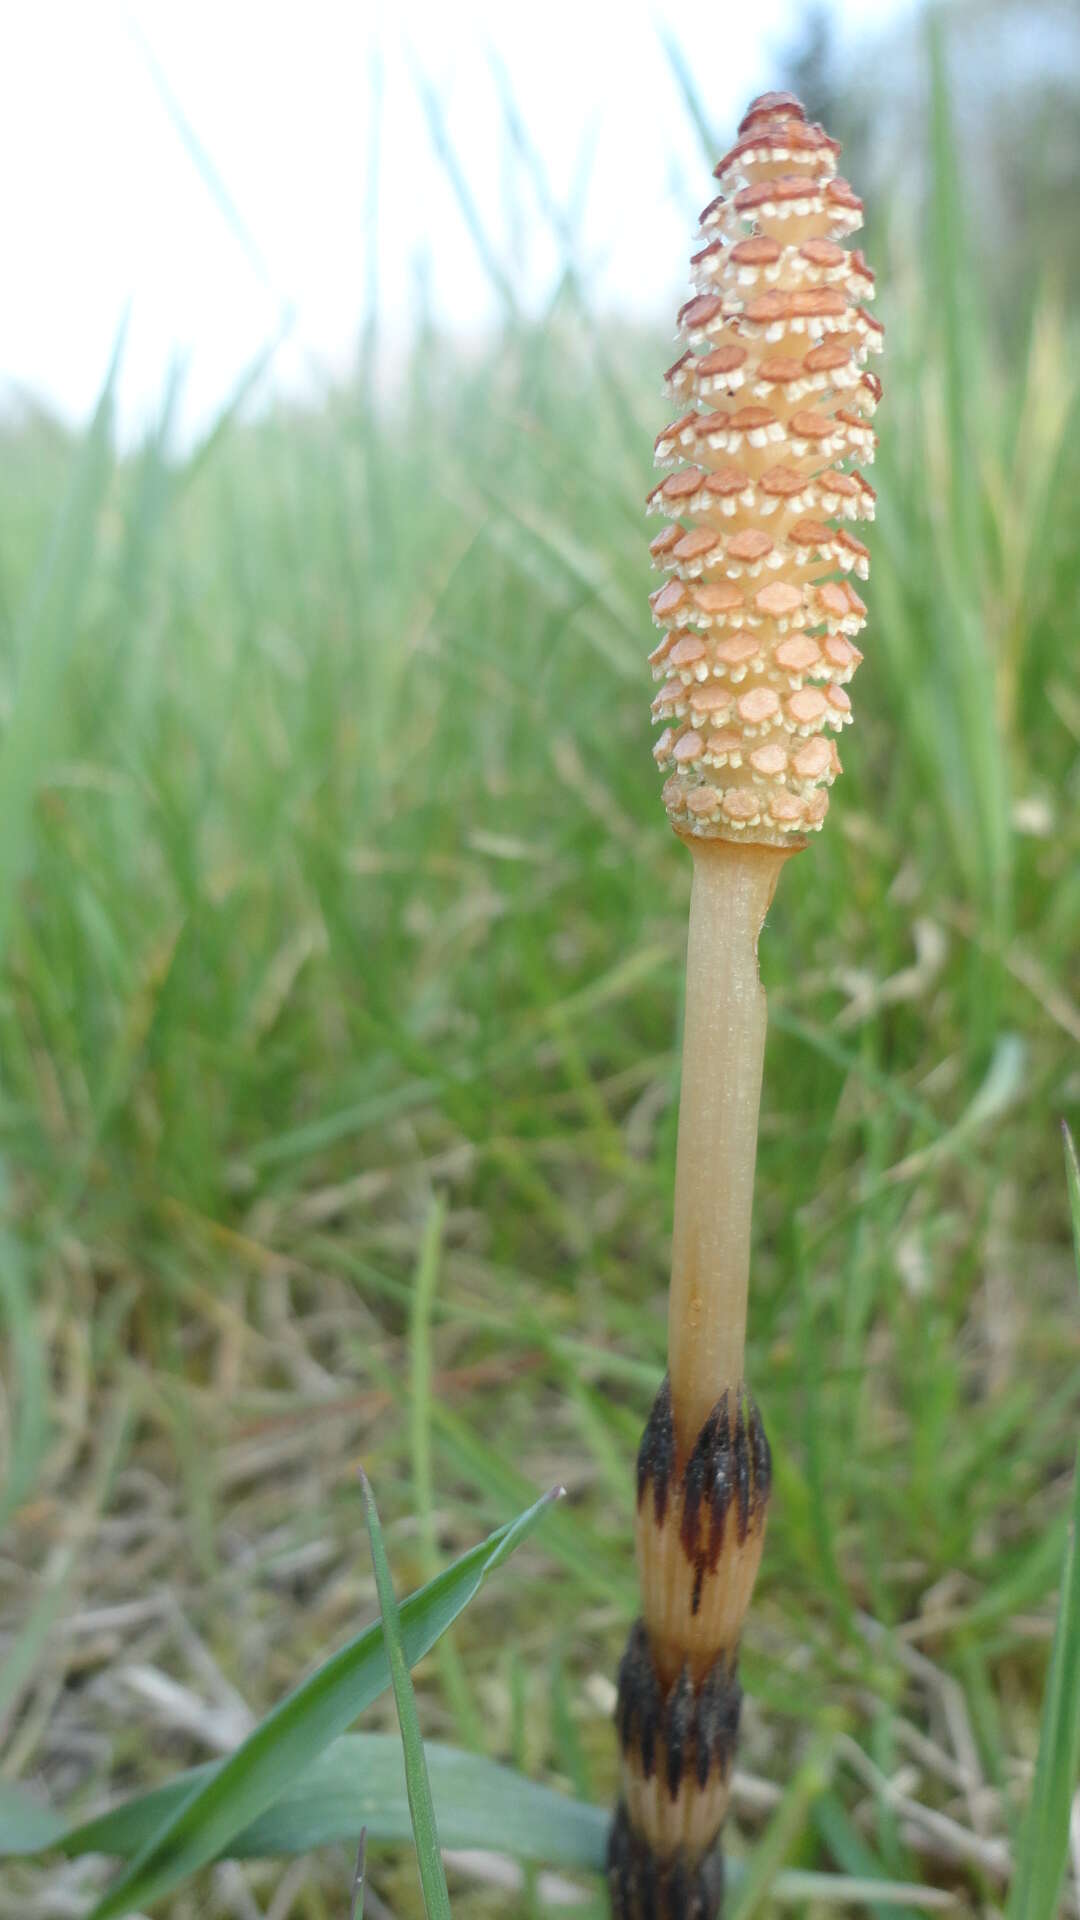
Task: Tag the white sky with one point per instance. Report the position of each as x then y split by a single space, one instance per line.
105 208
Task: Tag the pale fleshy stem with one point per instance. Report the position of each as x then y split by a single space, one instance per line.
723 1051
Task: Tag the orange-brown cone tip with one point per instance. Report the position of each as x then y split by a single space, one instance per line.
759 612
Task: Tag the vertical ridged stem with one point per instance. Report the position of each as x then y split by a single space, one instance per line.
704 1469
757 618
723 1050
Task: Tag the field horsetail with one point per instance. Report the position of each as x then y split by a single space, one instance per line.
759 616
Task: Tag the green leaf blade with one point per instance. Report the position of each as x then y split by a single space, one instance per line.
418 1786
358 1780
221 1805
1044 1838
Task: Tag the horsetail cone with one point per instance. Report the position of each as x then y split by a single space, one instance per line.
758 616
759 613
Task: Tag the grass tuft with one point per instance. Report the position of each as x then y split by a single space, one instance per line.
334 876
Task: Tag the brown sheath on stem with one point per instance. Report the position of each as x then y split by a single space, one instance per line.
757 619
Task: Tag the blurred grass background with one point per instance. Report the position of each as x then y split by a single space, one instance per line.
343 939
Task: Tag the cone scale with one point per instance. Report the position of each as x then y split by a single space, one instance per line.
758 614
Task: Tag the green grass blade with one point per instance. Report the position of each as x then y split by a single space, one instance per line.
949 229
477 1803
1044 1839
356 1911
358 1780
446 155
784 1828
848 1847
452 1673
418 1786
220 1806
800 1889
205 167
425 1283
43 640
711 146
25 1651
231 411
361 1777
369 332
28 1827
1072 1176
28 1387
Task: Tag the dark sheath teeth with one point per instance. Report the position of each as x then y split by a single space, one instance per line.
686 1733
695 1726
730 1464
656 1454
